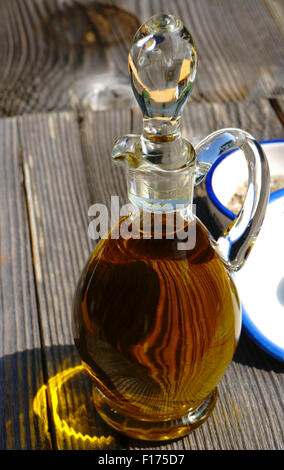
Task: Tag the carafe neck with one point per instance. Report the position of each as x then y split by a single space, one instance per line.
155 189
162 143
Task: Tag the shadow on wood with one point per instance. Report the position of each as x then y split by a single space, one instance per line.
248 353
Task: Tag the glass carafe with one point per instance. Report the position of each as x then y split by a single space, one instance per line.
156 314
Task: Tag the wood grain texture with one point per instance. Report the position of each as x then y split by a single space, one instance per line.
67 55
21 362
256 117
60 55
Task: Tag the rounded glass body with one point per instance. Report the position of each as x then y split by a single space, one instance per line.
156 327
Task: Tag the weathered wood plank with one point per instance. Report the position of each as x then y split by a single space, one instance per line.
63 55
99 131
253 380
21 363
58 201
256 117
73 55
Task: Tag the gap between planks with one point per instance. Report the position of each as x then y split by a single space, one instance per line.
278 108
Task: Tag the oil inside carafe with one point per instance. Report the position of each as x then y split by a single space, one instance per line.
156 326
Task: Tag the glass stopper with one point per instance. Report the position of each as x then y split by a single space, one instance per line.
162 66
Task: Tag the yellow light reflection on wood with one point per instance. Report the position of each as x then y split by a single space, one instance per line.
53 388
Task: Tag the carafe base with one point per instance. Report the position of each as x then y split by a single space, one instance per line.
154 430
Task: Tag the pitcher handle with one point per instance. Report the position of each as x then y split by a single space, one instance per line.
235 243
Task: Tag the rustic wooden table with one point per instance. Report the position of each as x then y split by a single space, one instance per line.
64 98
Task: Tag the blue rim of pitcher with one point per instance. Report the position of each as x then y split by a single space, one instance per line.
252 331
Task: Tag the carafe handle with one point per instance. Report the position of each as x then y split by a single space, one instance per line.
235 243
